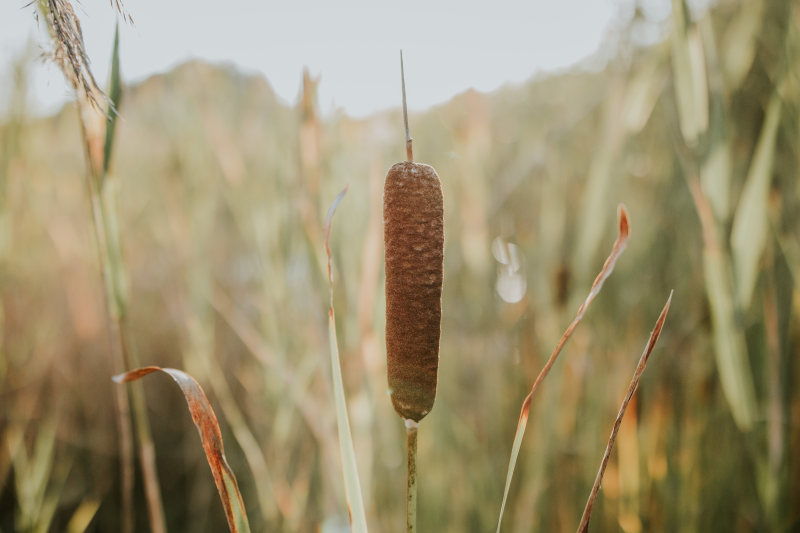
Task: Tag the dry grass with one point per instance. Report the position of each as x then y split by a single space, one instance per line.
227 279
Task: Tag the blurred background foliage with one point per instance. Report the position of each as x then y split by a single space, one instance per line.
221 194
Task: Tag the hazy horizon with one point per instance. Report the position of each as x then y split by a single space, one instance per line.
353 48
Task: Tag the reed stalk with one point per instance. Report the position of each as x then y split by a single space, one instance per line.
97 131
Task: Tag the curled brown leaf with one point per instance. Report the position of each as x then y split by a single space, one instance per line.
206 422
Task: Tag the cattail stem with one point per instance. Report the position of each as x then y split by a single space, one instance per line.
411 493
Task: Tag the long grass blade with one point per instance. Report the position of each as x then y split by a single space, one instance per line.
206 422
352 485
608 267
751 223
740 42
729 343
261 351
648 349
97 191
83 515
730 347
688 64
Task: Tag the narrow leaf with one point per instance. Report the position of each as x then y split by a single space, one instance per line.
729 343
741 41
599 181
608 267
83 515
352 485
648 349
114 98
716 165
750 224
689 75
715 175
206 422
730 347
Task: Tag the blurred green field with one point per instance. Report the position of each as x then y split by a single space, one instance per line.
221 192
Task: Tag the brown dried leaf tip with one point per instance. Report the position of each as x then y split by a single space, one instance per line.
413 218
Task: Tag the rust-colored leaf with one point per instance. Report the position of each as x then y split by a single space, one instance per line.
648 349
605 272
206 422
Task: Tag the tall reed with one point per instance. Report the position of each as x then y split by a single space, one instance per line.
413 217
740 233
97 129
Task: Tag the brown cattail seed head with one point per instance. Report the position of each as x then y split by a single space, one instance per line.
413 223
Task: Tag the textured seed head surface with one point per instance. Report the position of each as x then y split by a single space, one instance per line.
413 221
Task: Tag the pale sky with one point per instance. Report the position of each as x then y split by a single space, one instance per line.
449 46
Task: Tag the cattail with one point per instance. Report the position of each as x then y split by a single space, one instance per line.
413 218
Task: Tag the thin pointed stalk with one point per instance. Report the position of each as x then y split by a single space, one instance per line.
648 349
409 150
